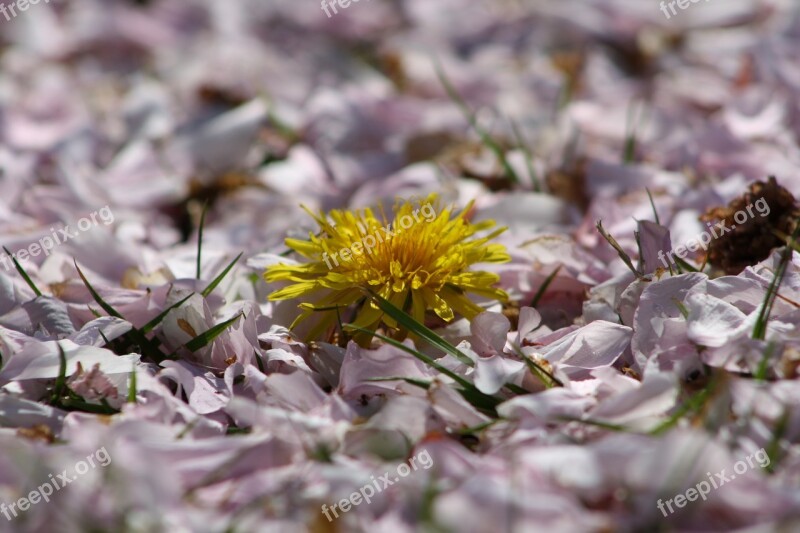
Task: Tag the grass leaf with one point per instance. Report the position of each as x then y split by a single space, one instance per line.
543 289
200 238
653 205
693 404
468 391
61 380
206 337
421 383
147 347
522 145
763 365
218 279
22 273
760 328
132 386
147 328
97 298
774 446
419 355
420 330
540 372
614 244
486 139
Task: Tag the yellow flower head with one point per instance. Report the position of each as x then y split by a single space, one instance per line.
418 261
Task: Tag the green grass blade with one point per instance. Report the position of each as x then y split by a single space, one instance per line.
516 389
132 386
61 380
468 391
97 298
774 446
760 328
597 423
405 320
614 244
631 125
218 279
208 336
421 383
693 404
419 355
684 265
200 238
682 308
22 273
522 145
543 289
72 404
146 346
763 365
653 205
486 139
147 328
540 372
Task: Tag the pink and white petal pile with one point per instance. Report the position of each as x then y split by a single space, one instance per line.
622 402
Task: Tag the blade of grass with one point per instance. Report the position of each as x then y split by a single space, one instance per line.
516 389
685 266
106 307
147 328
597 423
653 205
218 279
132 386
682 308
763 365
421 383
429 336
522 145
541 373
614 244
147 346
477 429
760 328
200 238
22 273
486 139
61 380
543 289
105 339
693 404
774 446
418 329
72 404
419 355
212 333
469 392
630 136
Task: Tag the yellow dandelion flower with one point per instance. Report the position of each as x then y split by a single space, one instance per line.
418 261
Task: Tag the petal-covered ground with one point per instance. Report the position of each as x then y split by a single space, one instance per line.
399 265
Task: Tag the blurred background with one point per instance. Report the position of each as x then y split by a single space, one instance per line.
551 114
